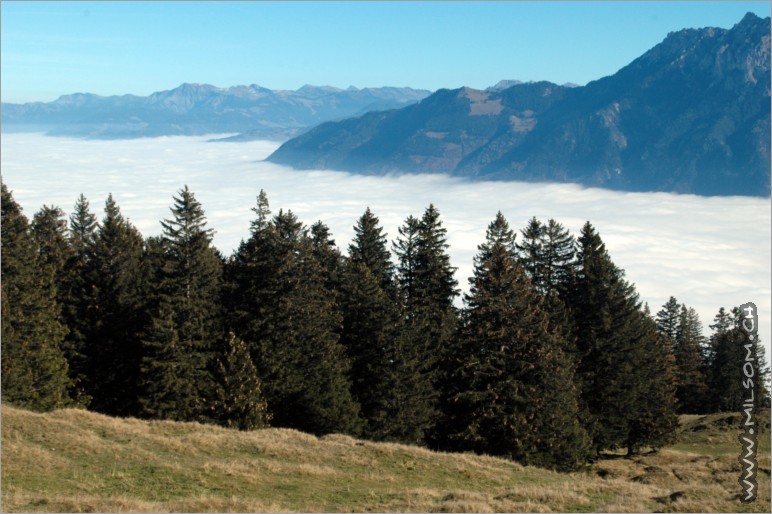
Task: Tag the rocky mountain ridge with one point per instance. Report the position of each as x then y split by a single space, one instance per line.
691 115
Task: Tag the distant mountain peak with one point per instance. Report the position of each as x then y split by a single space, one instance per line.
691 115
194 108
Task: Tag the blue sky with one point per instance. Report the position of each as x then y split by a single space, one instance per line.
54 48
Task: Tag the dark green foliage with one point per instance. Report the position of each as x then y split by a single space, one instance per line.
34 369
428 289
547 255
385 376
731 349
514 392
692 391
328 256
186 322
114 315
654 422
668 319
369 248
621 368
239 399
49 229
291 325
75 308
552 358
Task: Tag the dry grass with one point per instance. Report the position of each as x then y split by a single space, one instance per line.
76 461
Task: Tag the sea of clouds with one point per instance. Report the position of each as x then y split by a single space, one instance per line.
707 252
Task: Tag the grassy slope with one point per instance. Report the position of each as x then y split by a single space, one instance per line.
73 460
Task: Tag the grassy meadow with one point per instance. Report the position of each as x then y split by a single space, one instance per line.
77 461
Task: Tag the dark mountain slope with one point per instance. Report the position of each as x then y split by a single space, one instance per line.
691 115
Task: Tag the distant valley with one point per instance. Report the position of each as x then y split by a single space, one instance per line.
691 115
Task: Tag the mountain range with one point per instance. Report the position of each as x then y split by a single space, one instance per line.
691 115
253 112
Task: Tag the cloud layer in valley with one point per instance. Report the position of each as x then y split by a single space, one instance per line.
707 252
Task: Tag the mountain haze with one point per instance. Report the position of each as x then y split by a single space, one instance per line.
691 115
197 109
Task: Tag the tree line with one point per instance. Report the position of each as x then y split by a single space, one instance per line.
552 359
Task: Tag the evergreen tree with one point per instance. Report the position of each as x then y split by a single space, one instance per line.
614 338
531 254
405 248
687 348
328 256
186 324
369 248
668 319
239 401
34 369
654 423
547 254
726 375
49 229
385 376
113 314
514 392
75 296
428 289
291 325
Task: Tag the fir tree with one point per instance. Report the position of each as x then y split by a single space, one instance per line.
34 369
186 322
613 338
49 229
726 374
514 385
687 348
428 289
547 253
385 377
76 312
114 313
291 325
654 423
668 319
369 248
239 400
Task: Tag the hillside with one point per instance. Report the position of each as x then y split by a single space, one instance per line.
691 115
195 109
76 461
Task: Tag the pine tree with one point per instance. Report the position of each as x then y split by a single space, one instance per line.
34 369
613 337
186 323
239 400
291 324
514 392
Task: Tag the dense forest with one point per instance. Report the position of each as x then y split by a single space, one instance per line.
552 358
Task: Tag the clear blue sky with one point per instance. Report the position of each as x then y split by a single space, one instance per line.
54 48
